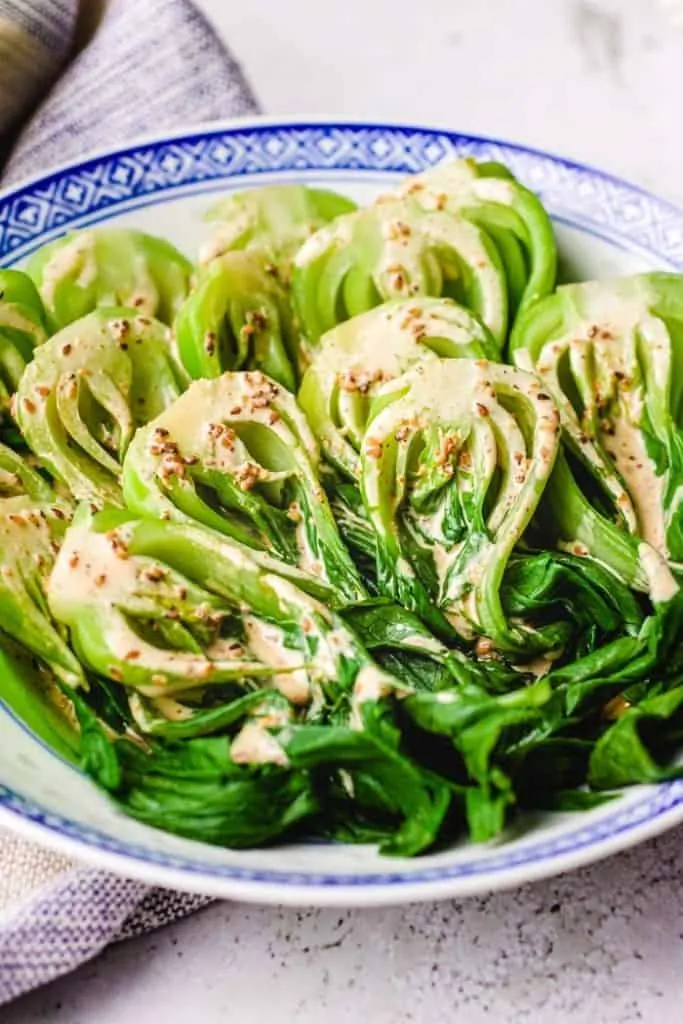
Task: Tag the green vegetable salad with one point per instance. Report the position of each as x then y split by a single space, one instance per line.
361 528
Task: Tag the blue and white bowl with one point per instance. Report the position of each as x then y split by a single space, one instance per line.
163 185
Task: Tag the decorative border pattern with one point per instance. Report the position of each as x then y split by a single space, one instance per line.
190 162
193 162
665 798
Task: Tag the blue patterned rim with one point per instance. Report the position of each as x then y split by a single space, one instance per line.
204 160
197 161
663 800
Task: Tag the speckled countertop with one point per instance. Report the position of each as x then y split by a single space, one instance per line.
599 81
604 945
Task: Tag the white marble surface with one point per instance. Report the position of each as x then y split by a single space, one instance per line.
595 79
599 81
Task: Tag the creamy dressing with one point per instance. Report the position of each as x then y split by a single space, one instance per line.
462 390
604 349
175 670
29 533
465 391
271 717
341 231
574 548
267 644
255 745
75 259
523 361
372 684
191 420
420 642
266 641
458 181
460 623
69 586
443 560
663 585
638 472
226 234
495 190
540 665
618 308
378 345
171 709
341 643
101 577
225 649
331 646
404 567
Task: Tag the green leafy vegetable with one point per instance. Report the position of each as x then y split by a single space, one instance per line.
109 267
429 594
22 328
195 789
274 220
480 727
355 359
511 215
88 389
592 605
401 644
394 250
169 609
454 461
380 775
639 746
30 530
237 454
610 353
237 317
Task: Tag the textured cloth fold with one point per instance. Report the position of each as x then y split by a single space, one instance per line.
151 65
74 917
35 41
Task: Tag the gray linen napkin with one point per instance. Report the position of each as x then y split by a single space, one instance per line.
151 65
